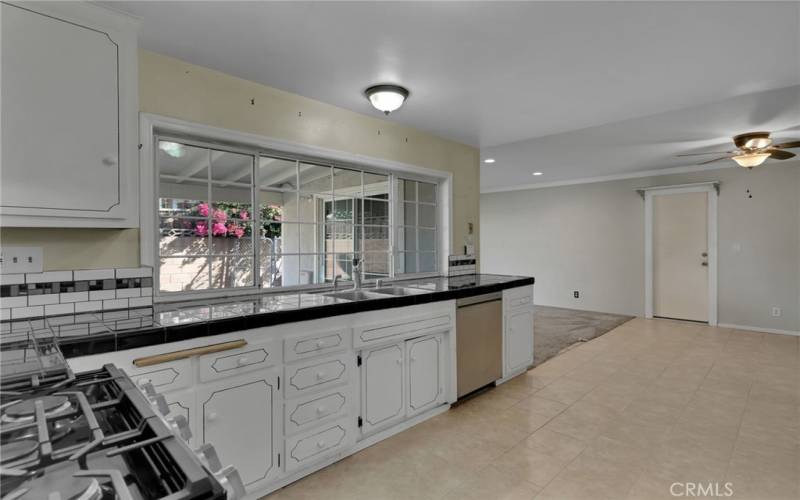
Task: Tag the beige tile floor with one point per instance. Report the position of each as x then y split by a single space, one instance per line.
623 416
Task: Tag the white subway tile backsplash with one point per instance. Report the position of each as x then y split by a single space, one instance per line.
57 309
147 291
48 276
27 312
94 274
8 302
134 272
74 297
44 299
5 314
126 293
141 302
115 304
95 305
102 294
12 279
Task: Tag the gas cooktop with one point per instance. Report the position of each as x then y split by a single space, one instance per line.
90 436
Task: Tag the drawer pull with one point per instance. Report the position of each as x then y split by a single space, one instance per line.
211 416
399 361
143 382
320 344
320 375
320 410
242 361
320 444
186 353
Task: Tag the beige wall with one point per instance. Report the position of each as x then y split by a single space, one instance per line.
590 237
171 87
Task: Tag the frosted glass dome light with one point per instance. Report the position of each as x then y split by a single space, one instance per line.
386 98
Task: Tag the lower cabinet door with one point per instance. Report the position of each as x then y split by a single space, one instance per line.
518 340
240 418
313 446
425 373
382 387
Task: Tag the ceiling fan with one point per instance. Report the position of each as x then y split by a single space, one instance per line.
753 149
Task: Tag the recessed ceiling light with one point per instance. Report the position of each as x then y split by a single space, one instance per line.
488 160
537 173
386 98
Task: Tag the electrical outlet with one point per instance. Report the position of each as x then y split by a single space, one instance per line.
776 311
576 294
14 260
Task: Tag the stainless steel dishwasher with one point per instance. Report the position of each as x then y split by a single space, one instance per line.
479 341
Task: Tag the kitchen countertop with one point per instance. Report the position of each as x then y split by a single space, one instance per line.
108 331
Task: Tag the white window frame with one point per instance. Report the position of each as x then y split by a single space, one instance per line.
151 125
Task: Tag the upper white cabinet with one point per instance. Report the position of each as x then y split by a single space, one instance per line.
69 116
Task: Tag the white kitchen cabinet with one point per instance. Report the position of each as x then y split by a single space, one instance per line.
382 387
69 121
240 417
316 445
518 339
426 373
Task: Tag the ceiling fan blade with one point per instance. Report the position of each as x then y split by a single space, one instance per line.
781 155
709 153
715 159
787 145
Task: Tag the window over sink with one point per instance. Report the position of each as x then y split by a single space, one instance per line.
239 218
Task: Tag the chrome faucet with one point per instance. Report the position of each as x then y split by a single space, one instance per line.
336 281
357 273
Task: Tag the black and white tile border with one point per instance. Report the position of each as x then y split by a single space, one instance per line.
52 293
460 265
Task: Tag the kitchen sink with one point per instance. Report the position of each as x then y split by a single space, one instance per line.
355 295
398 290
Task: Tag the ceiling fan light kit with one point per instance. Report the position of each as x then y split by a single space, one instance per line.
750 160
753 149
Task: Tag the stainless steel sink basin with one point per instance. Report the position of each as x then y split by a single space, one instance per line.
355 295
398 290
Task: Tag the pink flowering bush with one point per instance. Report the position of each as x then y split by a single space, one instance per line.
220 216
201 229
202 209
235 230
244 215
219 229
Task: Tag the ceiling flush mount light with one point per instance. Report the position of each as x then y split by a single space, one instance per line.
173 149
537 173
386 98
488 160
750 160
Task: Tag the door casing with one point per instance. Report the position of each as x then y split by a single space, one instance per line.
712 188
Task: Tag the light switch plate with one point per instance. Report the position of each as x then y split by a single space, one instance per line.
15 260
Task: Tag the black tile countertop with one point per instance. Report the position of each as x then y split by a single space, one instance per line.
107 331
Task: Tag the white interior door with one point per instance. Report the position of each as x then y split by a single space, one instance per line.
680 256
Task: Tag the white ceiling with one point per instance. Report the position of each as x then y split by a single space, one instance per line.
489 73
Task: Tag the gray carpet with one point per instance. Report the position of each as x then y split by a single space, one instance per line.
555 329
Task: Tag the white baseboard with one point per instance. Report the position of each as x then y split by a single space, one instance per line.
759 329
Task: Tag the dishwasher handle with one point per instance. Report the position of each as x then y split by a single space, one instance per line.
479 299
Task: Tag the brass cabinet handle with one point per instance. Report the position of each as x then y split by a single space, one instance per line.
186 353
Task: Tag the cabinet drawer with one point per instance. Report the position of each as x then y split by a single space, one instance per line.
308 412
516 298
164 377
316 344
245 359
421 325
304 450
318 375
